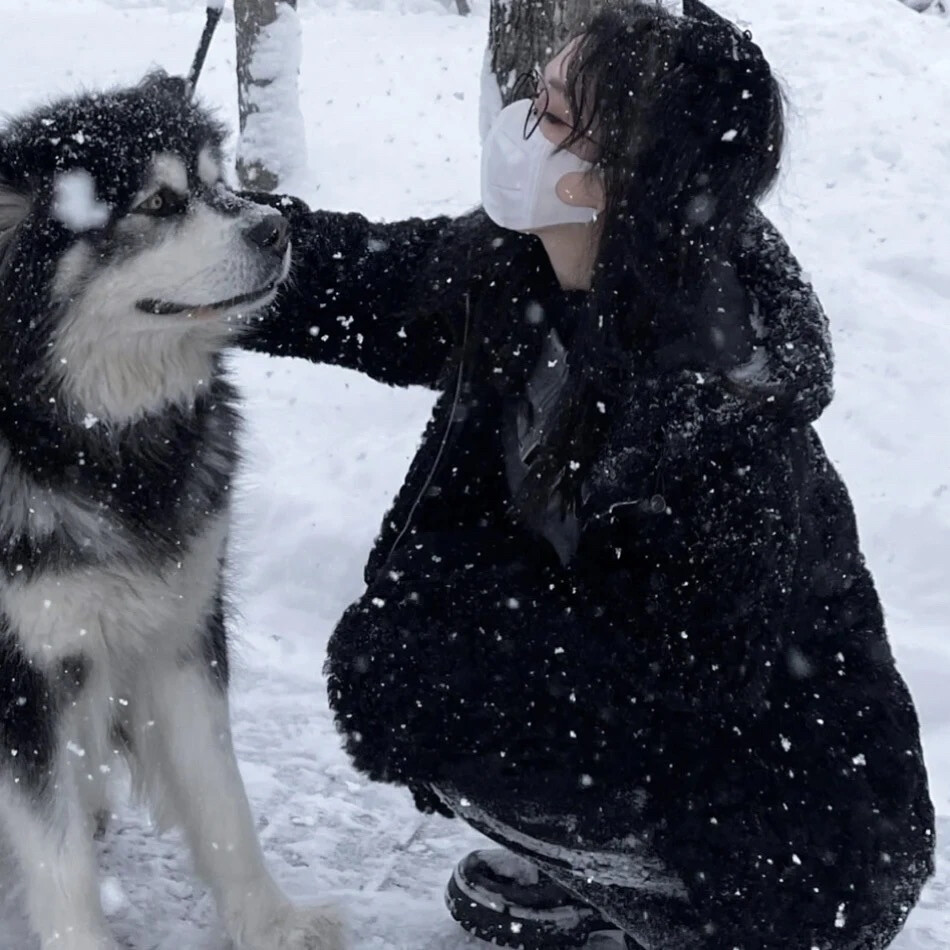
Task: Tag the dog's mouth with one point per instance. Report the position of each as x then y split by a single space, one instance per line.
165 308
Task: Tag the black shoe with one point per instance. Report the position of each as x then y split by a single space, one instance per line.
506 900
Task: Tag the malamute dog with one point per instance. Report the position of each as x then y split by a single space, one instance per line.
125 266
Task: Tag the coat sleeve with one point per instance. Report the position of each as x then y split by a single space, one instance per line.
388 300
691 511
699 580
666 419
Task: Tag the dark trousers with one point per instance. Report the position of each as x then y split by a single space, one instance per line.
624 879
627 882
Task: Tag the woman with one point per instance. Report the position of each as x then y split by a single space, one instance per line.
618 619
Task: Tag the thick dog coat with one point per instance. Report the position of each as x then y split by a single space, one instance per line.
126 265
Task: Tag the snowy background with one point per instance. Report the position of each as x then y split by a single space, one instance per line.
390 102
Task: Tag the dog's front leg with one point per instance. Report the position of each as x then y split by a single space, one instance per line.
49 830
183 732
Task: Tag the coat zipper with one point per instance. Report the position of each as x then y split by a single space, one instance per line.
427 483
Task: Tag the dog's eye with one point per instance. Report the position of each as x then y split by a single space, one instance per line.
153 205
162 203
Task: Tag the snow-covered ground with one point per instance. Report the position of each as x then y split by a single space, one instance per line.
390 90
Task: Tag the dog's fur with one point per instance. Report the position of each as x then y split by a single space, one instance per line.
117 451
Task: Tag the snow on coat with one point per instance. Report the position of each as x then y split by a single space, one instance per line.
715 647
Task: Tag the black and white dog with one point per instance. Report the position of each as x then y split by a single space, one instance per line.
126 265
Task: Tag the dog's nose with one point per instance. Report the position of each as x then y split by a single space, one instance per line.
270 234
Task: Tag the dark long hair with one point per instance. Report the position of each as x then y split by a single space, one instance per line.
690 123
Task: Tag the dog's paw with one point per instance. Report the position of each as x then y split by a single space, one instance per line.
297 928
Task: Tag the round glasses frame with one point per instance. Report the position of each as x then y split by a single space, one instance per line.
531 85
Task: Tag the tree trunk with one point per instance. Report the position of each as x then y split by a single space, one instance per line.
272 142
939 7
527 33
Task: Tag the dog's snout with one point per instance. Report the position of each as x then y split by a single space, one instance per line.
270 234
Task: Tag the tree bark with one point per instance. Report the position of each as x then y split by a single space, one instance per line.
527 33
251 18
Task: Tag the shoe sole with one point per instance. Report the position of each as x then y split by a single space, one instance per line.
482 914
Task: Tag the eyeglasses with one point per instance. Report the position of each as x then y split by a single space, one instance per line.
530 85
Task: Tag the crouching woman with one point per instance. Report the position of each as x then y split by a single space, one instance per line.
618 618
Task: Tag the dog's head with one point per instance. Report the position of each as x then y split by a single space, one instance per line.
125 260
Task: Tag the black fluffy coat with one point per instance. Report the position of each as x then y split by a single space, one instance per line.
715 645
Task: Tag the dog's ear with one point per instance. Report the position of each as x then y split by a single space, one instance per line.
176 87
14 207
696 10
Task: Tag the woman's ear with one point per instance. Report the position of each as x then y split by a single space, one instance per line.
582 190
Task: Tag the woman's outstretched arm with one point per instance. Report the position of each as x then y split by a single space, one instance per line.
387 300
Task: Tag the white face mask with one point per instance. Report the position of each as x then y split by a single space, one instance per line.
520 176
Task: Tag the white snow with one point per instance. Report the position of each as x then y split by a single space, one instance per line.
390 92
274 132
74 199
112 895
511 866
489 100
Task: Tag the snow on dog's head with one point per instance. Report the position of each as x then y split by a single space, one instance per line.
75 202
125 260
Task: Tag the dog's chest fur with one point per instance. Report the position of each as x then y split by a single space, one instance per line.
117 613
121 557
